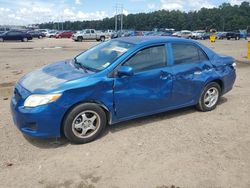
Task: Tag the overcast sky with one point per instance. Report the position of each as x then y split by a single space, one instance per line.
23 12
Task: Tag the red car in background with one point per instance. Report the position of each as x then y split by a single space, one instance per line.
64 34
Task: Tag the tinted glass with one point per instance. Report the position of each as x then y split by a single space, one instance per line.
87 31
92 31
103 55
147 59
187 53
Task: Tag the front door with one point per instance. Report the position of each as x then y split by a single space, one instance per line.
149 89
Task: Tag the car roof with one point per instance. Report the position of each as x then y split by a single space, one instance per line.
150 39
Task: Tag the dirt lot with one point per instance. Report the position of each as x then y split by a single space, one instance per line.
182 148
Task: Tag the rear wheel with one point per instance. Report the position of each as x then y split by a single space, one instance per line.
209 97
25 39
237 38
84 123
102 38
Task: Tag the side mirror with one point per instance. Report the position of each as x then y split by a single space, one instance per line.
125 71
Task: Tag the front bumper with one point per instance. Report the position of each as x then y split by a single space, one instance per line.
41 121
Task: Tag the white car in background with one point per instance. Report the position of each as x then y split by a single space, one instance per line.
183 34
89 34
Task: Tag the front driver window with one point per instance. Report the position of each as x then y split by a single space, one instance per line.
147 59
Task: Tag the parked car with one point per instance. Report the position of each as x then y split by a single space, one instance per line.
52 34
243 34
36 34
233 35
15 35
117 34
116 81
196 34
89 34
176 34
221 35
44 31
64 34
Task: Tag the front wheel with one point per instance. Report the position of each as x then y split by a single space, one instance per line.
209 97
25 40
79 39
84 123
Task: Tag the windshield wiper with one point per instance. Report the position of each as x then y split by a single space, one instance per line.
80 65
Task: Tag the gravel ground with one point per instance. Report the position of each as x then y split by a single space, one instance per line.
181 148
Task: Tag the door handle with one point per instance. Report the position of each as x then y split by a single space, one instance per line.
165 75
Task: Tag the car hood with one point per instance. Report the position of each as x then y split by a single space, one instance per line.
52 77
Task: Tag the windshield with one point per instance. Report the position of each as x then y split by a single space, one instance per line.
102 55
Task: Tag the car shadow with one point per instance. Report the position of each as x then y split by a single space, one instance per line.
143 121
50 143
47 143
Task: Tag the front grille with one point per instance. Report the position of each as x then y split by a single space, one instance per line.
17 95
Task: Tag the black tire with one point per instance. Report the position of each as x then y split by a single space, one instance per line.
25 39
237 38
75 116
79 39
202 106
102 38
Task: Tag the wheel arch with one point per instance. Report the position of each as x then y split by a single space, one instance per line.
218 81
100 104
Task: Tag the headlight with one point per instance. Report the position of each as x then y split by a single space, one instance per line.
37 100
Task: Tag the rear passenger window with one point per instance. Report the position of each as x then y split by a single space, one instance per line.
147 59
187 53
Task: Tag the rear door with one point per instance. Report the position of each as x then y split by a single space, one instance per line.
149 89
93 34
191 69
87 34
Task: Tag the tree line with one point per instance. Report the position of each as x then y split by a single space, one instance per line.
223 18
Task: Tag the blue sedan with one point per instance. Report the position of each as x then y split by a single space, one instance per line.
119 80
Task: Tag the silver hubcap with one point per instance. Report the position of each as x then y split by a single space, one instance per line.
86 124
211 97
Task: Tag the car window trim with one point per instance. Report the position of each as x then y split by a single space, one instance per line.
186 43
113 74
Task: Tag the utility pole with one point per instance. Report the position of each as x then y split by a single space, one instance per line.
121 17
118 16
62 22
115 17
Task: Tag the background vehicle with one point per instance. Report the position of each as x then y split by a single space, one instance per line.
221 35
186 34
52 34
101 84
233 35
36 34
64 34
89 34
44 31
183 34
15 35
196 34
